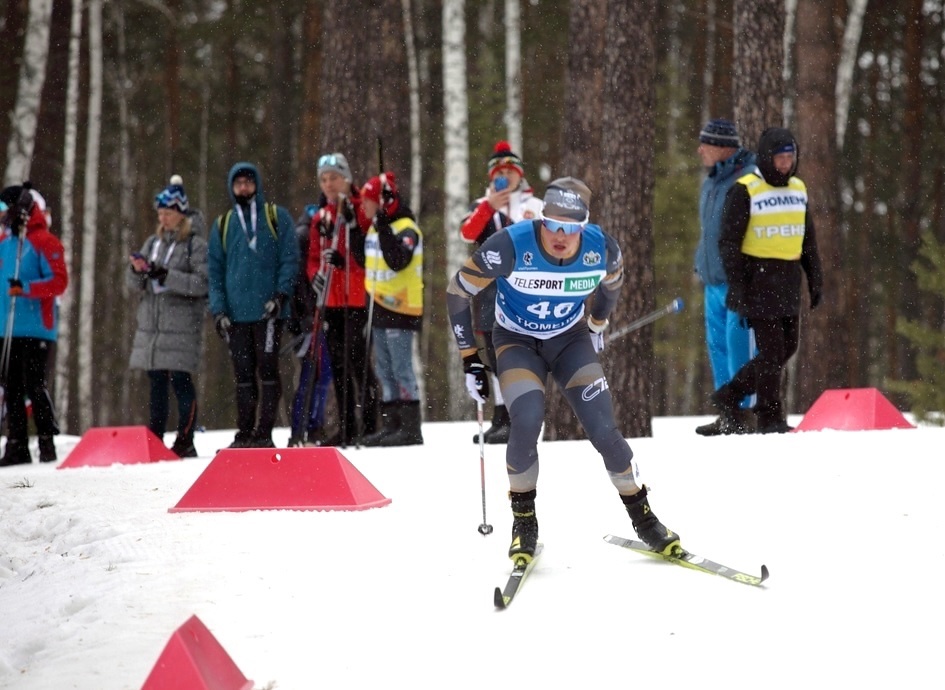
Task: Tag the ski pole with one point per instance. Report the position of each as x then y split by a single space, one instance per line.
485 528
675 306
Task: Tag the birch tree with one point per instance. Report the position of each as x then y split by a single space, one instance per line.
848 52
413 77
90 217
64 344
513 73
456 162
29 93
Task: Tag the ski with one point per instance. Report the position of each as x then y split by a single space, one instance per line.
503 597
690 560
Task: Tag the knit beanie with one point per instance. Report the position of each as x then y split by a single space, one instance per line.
567 197
720 132
502 157
334 162
173 196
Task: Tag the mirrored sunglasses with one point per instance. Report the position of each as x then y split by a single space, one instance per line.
567 228
327 159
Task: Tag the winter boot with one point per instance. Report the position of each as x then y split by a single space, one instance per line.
408 431
771 420
390 423
184 446
243 439
501 426
713 428
262 439
47 449
647 526
524 526
16 453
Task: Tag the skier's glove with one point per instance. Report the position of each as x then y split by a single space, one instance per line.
333 257
273 306
597 333
477 378
222 323
16 287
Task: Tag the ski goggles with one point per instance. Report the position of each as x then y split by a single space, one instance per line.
568 228
329 159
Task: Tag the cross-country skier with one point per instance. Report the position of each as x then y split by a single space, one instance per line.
544 270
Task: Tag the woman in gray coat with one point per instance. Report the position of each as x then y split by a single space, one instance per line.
171 273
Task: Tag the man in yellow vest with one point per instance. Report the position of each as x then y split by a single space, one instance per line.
767 238
393 256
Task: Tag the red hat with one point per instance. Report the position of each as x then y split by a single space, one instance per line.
372 189
502 157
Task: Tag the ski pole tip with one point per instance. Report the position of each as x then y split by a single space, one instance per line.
678 304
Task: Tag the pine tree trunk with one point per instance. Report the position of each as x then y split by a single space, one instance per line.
456 168
758 84
90 220
64 369
584 86
821 357
29 92
625 208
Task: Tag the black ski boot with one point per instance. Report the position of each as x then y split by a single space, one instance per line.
771 420
524 526
16 453
501 426
183 446
647 526
47 449
732 419
408 431
390 422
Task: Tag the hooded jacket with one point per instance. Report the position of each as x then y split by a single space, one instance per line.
248 266
765 288
42 270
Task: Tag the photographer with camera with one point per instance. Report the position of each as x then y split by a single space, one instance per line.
33 271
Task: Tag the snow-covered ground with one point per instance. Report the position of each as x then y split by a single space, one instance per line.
96 574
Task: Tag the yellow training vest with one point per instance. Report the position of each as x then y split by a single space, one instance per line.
397 291
776 226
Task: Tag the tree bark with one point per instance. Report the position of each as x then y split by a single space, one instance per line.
29 93
64 344
456 168
584 86
758 84
90 220
626 207
513 73
822 362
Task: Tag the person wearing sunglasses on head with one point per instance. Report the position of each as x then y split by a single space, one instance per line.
508 199
544 270
336 271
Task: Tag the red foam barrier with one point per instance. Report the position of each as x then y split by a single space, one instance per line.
108 445
853 409
280 479
193 660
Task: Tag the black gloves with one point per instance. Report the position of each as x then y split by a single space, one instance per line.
158 273
273 306
477 378
814 298
16 287
222 323
333 257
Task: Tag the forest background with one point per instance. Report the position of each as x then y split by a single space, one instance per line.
129 92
